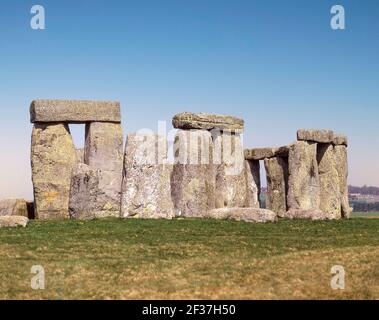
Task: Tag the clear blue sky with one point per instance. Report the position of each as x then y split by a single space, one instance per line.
277 64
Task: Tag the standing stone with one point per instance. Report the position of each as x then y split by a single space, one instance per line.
103 152
193 176
303 179
253 182
277 185
87 199
340 152
146 189
53 157
231 188
330 195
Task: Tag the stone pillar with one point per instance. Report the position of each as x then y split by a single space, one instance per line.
231 187
146 189
330 195
193 176
53 157
303 179
253 182
277 184
340 152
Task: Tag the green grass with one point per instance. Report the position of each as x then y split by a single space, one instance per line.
190 258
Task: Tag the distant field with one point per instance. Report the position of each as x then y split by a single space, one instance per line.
365 215
191 259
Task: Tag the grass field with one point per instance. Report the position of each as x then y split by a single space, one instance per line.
191 259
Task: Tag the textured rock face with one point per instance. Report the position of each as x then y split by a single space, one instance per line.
13 221
277 185
13 207
53 157
206 121
303 179
340 139
87 199
103 152
312 214
340 153
193 177
330 199
80 155
231 187
322 136
243 214
77 111
146 187
253 182
264 153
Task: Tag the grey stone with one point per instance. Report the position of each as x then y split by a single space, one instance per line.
146 187
13 207
330 202
206 121
340 152
311 214
315 135
231 186
104 152
53 157
74 111
13 221
264 153
253 182
243 214
303 179
194 176
277 185
340 139
87 198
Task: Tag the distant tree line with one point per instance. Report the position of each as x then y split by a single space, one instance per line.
364 206
367 190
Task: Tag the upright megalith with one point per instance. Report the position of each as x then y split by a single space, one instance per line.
253 183
193 177
53 157
146 187
330 195
57 167
303 176
277 184
340 153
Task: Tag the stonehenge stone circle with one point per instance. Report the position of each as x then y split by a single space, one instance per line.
212 175
13 221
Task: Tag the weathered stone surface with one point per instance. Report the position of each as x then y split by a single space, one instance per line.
314 135
104 152
277 185
340 153
87 199
206 121
243 214
53 157
340 139
13 207
312 214
80 155
303 179
264 153
74 111
330 202
231 187
194 176
253 182
13 221
146 187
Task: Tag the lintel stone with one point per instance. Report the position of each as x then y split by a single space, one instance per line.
315 135
266 153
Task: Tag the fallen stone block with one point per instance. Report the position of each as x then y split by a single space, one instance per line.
13 207
206 121
13 221
74 111
243 214
314 135
146 187
312 214
266 153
